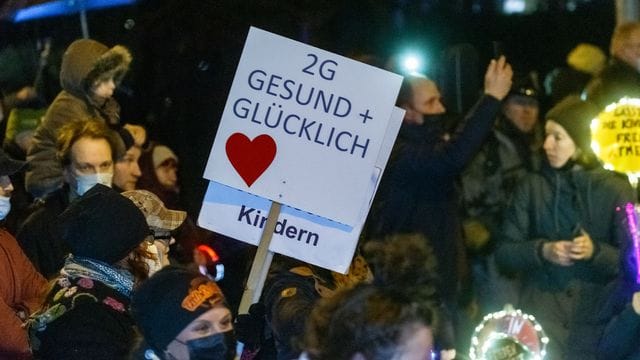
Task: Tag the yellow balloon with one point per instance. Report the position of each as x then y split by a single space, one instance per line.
615 136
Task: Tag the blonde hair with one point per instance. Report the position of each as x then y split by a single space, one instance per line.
77 129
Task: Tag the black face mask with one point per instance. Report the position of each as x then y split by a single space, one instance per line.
221 346
433 118
435 124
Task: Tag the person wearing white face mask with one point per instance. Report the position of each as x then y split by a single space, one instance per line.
20 284
161 221
86 151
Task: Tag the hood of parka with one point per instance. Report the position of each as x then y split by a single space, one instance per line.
87 60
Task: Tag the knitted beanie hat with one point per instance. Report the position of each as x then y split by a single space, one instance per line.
575 116
170 300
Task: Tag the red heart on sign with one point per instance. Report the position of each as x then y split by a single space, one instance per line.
250 158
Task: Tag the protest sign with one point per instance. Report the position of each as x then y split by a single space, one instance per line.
615 139
303 127
615 134
298 234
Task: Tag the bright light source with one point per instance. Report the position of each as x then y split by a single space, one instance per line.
514 6
411 63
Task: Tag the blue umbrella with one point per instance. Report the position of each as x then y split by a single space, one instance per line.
66 7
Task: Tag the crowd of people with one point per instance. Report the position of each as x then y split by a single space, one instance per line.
502 206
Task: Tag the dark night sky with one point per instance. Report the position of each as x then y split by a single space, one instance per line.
185 51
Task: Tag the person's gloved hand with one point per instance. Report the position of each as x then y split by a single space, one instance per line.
249 327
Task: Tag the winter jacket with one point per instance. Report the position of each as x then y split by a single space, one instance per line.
84 62
418 192
558 205
90 321
39 235
22 290
616 81
620 337
490 178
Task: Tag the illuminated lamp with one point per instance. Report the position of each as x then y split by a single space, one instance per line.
508 334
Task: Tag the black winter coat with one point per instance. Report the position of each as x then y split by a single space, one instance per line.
555 205
39 235
620 338
93 323
418 191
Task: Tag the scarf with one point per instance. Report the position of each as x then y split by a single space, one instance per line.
62 300
118 279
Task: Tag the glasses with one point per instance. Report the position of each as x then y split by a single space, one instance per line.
165 238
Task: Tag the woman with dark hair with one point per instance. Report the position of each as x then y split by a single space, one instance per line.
370 323
396 317
562 233
85 315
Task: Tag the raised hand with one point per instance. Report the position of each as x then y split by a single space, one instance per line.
497 79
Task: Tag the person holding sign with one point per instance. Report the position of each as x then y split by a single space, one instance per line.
418 193
562 232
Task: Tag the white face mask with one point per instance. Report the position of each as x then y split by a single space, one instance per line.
160 252
5 206
86 182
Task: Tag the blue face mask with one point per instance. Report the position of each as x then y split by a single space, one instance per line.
221 346
86 182
5 206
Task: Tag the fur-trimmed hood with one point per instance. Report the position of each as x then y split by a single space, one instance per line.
86 60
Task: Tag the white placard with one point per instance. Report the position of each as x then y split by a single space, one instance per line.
303 127
298 234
